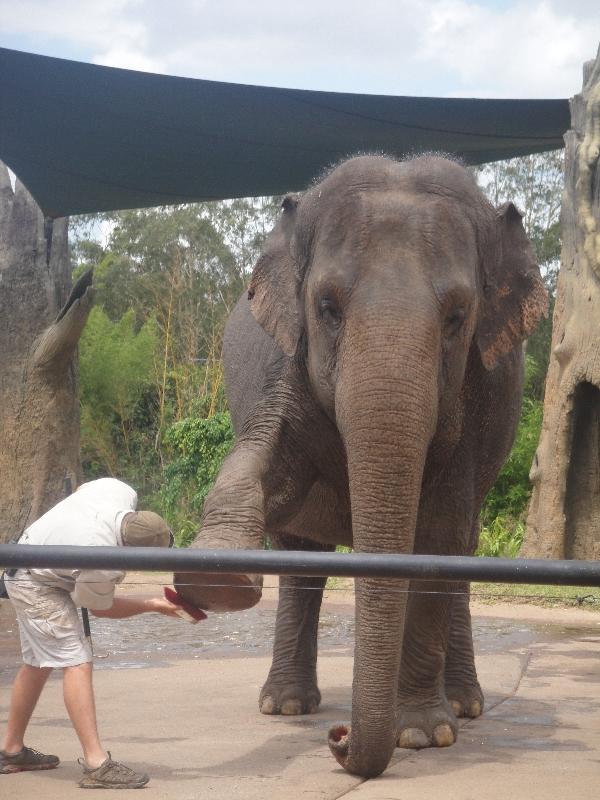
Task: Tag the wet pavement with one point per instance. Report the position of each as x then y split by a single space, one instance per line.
152 640
180 702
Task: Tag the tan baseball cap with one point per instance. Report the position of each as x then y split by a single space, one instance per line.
145 529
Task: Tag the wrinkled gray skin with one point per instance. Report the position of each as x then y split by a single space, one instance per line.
374 372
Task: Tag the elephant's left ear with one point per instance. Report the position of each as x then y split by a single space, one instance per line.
514 295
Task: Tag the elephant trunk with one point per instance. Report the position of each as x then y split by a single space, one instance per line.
387 423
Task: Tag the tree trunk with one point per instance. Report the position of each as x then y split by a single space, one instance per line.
564 514
40 325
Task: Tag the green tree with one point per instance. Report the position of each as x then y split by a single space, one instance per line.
198 448
180 270
118 401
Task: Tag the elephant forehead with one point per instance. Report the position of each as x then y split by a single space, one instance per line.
386 225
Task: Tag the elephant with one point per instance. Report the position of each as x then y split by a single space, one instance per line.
374 371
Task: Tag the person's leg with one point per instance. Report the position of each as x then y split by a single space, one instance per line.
99 769
26 691
78 693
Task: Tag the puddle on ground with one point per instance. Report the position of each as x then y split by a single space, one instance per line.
152 640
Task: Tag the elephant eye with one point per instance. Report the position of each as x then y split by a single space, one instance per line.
454 322
330 313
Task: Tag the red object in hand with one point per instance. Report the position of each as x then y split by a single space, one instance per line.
186 610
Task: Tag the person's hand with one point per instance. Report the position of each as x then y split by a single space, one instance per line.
163 606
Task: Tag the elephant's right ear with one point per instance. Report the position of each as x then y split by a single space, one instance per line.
273 290
515 298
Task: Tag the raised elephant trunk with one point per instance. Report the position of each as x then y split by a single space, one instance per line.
387 425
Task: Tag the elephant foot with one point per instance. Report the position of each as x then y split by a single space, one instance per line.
426 727
218 591
289 700
466 701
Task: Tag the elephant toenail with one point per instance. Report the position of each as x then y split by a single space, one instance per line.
291 707
413 739
456 707
267 705
443 736
313 707
475 709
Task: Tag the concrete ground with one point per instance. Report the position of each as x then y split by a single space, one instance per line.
180 702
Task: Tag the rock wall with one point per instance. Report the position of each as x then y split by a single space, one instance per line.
41 320
564 513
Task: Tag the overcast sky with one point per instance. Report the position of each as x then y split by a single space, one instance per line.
483 48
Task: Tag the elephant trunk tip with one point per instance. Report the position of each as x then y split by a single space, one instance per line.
339 742
367 764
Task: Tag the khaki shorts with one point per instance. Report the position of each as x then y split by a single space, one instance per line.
49 625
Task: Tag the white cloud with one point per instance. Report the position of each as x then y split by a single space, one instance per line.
126 58
445 47
522 51
83 24
338 45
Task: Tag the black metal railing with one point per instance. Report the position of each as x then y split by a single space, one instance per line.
270 562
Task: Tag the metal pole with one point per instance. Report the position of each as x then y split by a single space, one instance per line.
452 568
85 618
85 615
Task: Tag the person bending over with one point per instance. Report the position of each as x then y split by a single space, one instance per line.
101 512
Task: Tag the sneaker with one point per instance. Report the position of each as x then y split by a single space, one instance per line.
111 775
27 759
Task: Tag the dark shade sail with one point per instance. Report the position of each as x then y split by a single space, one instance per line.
85 138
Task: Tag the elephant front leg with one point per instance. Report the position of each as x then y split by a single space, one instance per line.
424 717
462 687
291 686
233 517
257 483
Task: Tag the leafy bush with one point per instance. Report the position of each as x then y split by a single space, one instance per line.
505 506
502 538
510 494
199 447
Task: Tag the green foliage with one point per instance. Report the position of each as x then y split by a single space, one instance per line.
118 404
165 281
505 506
548 596
185 265
116 362
510 494
502 538
198 447
114 283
